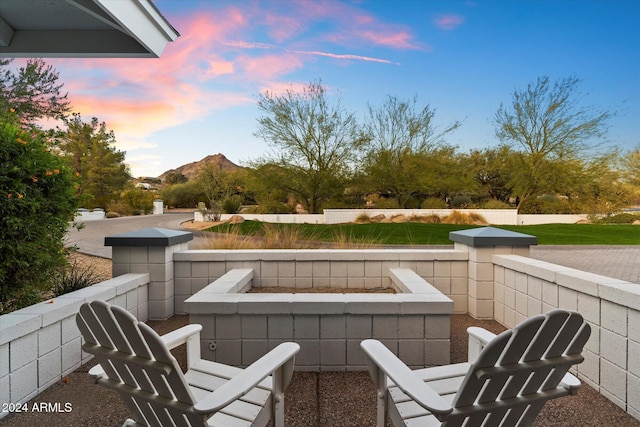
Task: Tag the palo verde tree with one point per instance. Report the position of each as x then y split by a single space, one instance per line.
314 142
32 91
89 148
405 144
550 131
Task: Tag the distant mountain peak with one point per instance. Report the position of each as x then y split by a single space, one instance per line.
191 170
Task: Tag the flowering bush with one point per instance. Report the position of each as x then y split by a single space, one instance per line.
36 204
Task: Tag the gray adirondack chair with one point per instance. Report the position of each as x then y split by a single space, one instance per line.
136 362
509 378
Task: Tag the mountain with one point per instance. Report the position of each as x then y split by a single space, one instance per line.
191 170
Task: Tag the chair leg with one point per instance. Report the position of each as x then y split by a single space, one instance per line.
278 398
382 398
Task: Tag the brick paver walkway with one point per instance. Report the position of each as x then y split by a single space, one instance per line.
620 262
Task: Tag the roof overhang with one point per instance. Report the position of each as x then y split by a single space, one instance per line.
83 29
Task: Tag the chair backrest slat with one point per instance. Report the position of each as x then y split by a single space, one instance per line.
175 383
142 362
520 369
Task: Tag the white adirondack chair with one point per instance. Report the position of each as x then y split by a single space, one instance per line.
136 362
511 376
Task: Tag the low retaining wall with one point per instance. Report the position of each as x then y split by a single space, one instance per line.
337 216
241 327
524 287
445 269
41 344
493 216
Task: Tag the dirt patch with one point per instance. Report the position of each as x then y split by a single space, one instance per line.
285 290
199 225
101 267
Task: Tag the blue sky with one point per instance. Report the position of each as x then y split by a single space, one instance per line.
463 58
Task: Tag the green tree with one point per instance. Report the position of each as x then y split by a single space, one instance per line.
314 142
403 156
631 172
491 169
33 92
220 186
548 128
90 150
184 195
175 178
36 205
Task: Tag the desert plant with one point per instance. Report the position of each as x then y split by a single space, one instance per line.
495 204
72 278
434 203
343 240
622 218
231 204
231 240
287 236
363 218
427 219
457 217
460 202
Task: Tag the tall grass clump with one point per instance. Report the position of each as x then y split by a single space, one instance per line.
72 278
426 219
229 240
457 217
363 218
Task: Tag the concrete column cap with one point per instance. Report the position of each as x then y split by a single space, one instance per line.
491 236
149 237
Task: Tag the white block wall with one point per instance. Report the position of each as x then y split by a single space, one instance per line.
446 270
492 216
525 287
41 344
238 328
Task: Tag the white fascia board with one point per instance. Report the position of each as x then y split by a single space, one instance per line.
142 21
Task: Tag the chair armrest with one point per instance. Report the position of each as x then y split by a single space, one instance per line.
405 378
478 339
571 382
246 380
96 372
171 340
180 335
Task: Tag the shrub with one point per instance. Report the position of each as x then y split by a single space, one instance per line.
457 217
495 204
363 218
36 204
434 203
384 203
623 218
72 278
138 201
460 202
427 219
231 204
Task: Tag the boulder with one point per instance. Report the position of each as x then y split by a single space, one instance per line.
378 218
236 219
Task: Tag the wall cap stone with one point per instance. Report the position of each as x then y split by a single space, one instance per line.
149 237
491 236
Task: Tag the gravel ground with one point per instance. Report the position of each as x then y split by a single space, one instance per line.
326 399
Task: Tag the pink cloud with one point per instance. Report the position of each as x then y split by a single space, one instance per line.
343 56
270 67
137 97
448 22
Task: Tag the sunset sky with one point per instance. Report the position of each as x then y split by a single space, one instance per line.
463 58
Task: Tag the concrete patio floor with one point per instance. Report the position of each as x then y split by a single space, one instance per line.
327 399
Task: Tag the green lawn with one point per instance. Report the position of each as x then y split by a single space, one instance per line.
438 234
